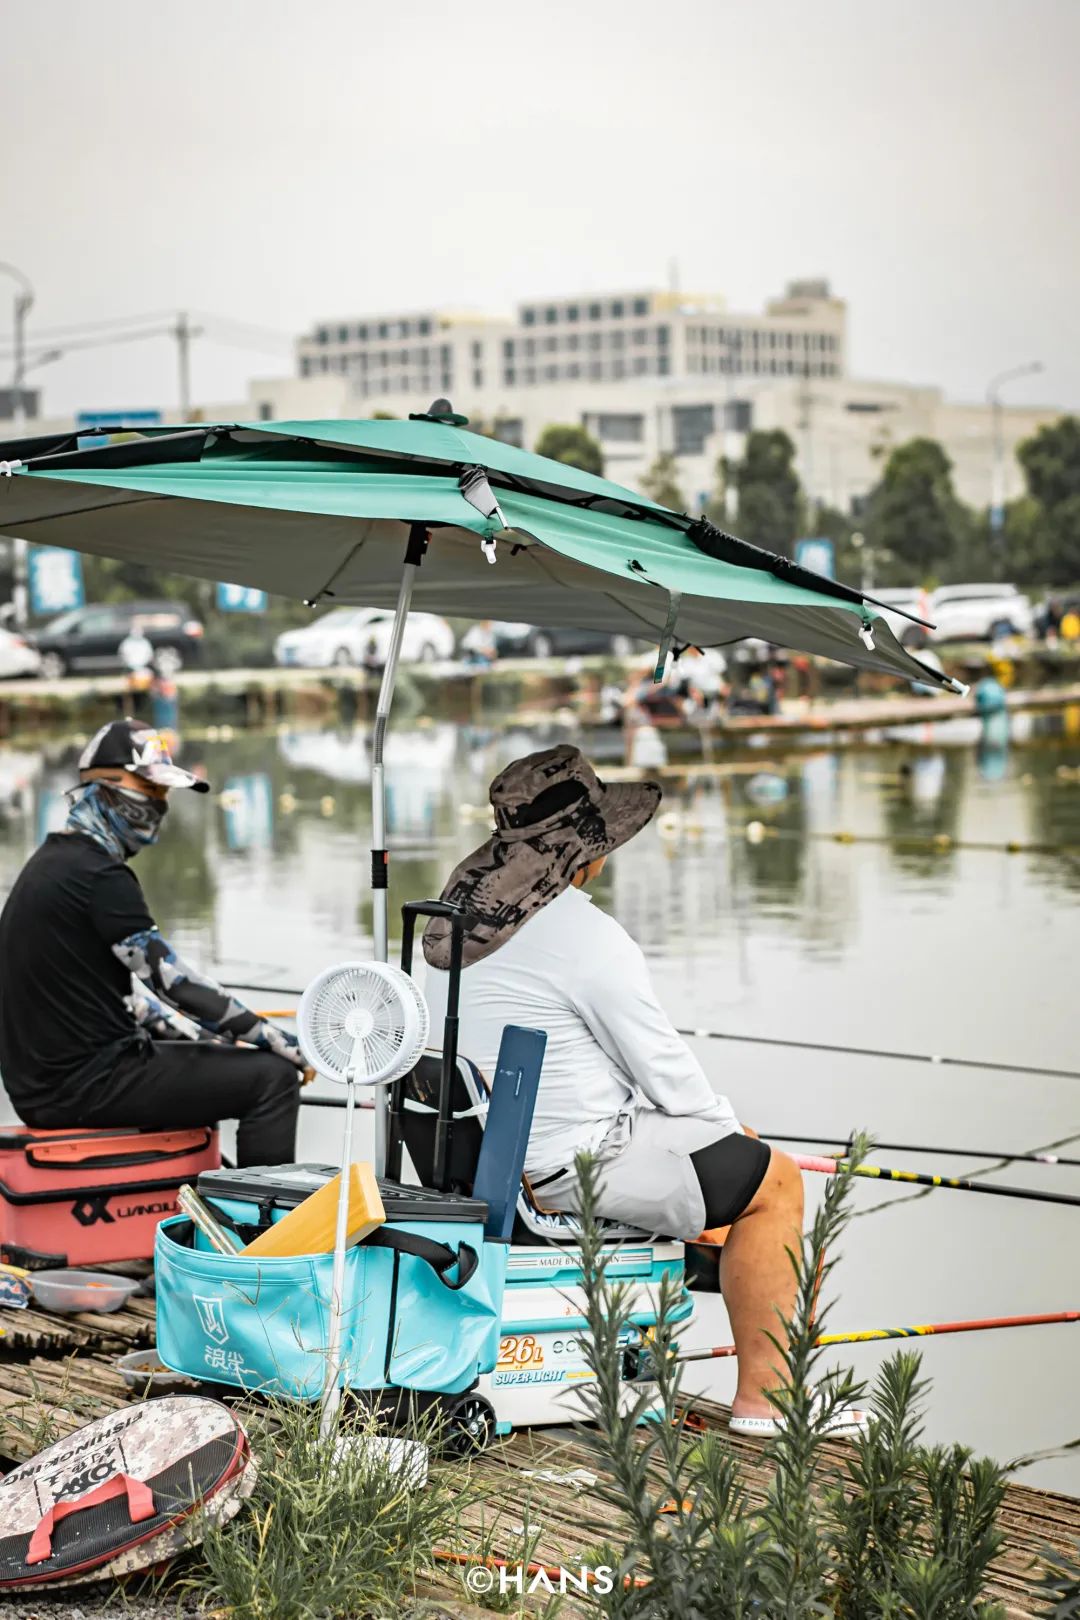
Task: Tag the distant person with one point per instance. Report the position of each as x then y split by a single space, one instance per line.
373 661
478 645
648 700
136 653
1048 620
82 1041
699 679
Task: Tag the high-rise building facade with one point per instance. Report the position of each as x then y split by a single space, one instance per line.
591 338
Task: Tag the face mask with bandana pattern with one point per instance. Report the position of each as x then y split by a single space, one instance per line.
119 818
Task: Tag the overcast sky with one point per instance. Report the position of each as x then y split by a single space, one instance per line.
277 162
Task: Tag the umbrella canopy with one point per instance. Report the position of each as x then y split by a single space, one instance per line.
324 510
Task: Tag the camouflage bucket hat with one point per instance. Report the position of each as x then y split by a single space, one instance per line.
553 815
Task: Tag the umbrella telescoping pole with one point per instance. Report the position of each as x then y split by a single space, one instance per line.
380 855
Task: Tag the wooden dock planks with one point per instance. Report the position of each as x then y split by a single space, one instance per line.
57 1373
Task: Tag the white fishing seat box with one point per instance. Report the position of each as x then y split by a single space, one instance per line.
542 1366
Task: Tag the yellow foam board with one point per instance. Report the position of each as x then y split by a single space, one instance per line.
310 1227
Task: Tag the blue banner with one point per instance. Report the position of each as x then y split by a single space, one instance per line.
817 555
248 803
241 599
112 419
134 419
56 580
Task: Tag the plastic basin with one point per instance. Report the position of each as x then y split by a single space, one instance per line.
73 1290
144 1368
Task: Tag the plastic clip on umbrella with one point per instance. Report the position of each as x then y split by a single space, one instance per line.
361 1023
398 514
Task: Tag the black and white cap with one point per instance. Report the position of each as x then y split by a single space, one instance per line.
129 745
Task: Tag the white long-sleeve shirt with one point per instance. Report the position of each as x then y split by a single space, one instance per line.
574 972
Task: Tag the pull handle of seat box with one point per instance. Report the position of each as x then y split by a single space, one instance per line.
439 1256
118 1152
458 919
140 1500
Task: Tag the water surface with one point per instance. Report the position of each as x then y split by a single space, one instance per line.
955 951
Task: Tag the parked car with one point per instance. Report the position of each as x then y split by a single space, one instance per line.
531 641
911 599
17 656
88 639
352 635
980 613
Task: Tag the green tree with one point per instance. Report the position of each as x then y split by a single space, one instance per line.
830 523
1051 462
770 501
660 482
564 441
914 511
1043 533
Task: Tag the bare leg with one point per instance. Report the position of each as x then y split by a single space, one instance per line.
757 1281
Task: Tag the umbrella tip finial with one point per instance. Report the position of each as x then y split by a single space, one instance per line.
440 410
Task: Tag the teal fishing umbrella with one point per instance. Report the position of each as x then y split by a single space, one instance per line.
323 511
423 513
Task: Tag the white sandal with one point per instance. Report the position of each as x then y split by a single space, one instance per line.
845 1420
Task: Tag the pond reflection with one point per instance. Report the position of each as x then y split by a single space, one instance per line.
759 921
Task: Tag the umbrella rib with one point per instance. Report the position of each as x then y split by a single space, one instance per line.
105 506
497 477
324 590
539 560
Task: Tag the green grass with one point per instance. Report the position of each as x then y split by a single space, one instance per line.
322 1538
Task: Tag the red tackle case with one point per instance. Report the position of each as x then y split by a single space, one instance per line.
79 1197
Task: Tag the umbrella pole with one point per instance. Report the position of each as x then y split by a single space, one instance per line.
380 855
331 1398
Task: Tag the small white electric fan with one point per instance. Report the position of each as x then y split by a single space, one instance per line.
366 1024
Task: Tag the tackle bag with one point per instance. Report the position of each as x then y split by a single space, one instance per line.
422 1294
81 1197
125 1492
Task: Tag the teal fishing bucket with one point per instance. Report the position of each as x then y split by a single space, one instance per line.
422 1300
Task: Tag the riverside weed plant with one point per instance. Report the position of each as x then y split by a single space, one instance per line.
902 1532
1060 1586
324 1537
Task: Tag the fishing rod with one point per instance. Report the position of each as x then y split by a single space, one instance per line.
937 843
950 1152
879 1052
777 1040
876 1172
921 1330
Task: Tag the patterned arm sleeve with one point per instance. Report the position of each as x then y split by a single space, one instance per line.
150 957
162 1020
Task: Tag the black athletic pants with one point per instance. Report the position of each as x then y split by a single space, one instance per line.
165 1084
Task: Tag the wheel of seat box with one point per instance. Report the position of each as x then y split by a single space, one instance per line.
469 1424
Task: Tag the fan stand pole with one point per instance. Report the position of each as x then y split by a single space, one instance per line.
380 855
331 1399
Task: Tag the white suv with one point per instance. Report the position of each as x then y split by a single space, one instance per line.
911 600
979 613
351 635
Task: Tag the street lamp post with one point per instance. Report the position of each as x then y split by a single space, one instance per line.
24 302
997 471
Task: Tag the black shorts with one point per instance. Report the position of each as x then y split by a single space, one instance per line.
730 1172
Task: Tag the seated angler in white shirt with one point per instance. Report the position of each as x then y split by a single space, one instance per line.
617 1079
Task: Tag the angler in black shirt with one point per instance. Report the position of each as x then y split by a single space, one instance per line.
101 1022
